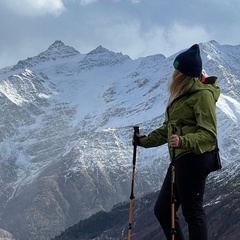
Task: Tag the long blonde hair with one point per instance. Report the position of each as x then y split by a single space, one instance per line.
178 84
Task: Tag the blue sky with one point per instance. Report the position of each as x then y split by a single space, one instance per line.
137 28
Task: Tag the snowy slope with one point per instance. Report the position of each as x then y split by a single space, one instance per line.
66 131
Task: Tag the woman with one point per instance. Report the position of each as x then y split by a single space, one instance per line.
191 109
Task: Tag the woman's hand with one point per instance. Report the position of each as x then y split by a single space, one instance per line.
175 141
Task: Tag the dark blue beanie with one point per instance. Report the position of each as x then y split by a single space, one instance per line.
189 62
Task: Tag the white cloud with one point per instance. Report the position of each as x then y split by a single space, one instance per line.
183 36
86 2
131 39
134 27
135 1
36 7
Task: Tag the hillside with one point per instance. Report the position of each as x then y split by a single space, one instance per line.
222 211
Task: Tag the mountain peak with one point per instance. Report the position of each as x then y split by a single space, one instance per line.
99 49
57 50
101 56
57 44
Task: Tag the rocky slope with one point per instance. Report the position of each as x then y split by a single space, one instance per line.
223 213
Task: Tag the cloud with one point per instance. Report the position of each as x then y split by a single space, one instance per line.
132 39
35 8
183 36
86 2
135 1
134 27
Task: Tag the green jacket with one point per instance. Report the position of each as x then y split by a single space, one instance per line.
194 115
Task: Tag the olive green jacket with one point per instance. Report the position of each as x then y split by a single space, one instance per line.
193 113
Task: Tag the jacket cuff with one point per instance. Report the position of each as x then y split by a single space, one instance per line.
181 142
139 140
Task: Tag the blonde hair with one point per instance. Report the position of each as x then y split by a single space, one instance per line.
178 84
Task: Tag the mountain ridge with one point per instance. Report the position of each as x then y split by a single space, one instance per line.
66 127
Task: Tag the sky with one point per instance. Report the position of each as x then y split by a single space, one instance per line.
137 28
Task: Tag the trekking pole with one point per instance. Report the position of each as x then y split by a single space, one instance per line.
136 131
173 200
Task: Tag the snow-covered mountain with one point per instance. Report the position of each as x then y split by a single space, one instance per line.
66 126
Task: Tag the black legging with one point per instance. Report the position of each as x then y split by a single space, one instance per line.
191 172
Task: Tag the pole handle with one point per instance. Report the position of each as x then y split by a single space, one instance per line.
135 138
174 131
174 128
136 129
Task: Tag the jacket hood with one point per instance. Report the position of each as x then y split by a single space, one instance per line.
209 84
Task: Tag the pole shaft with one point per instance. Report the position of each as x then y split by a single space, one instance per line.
172 202
130 219
173 231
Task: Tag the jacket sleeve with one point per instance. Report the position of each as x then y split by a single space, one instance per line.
156 138
204 139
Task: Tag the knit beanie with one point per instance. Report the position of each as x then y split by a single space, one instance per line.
189 62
